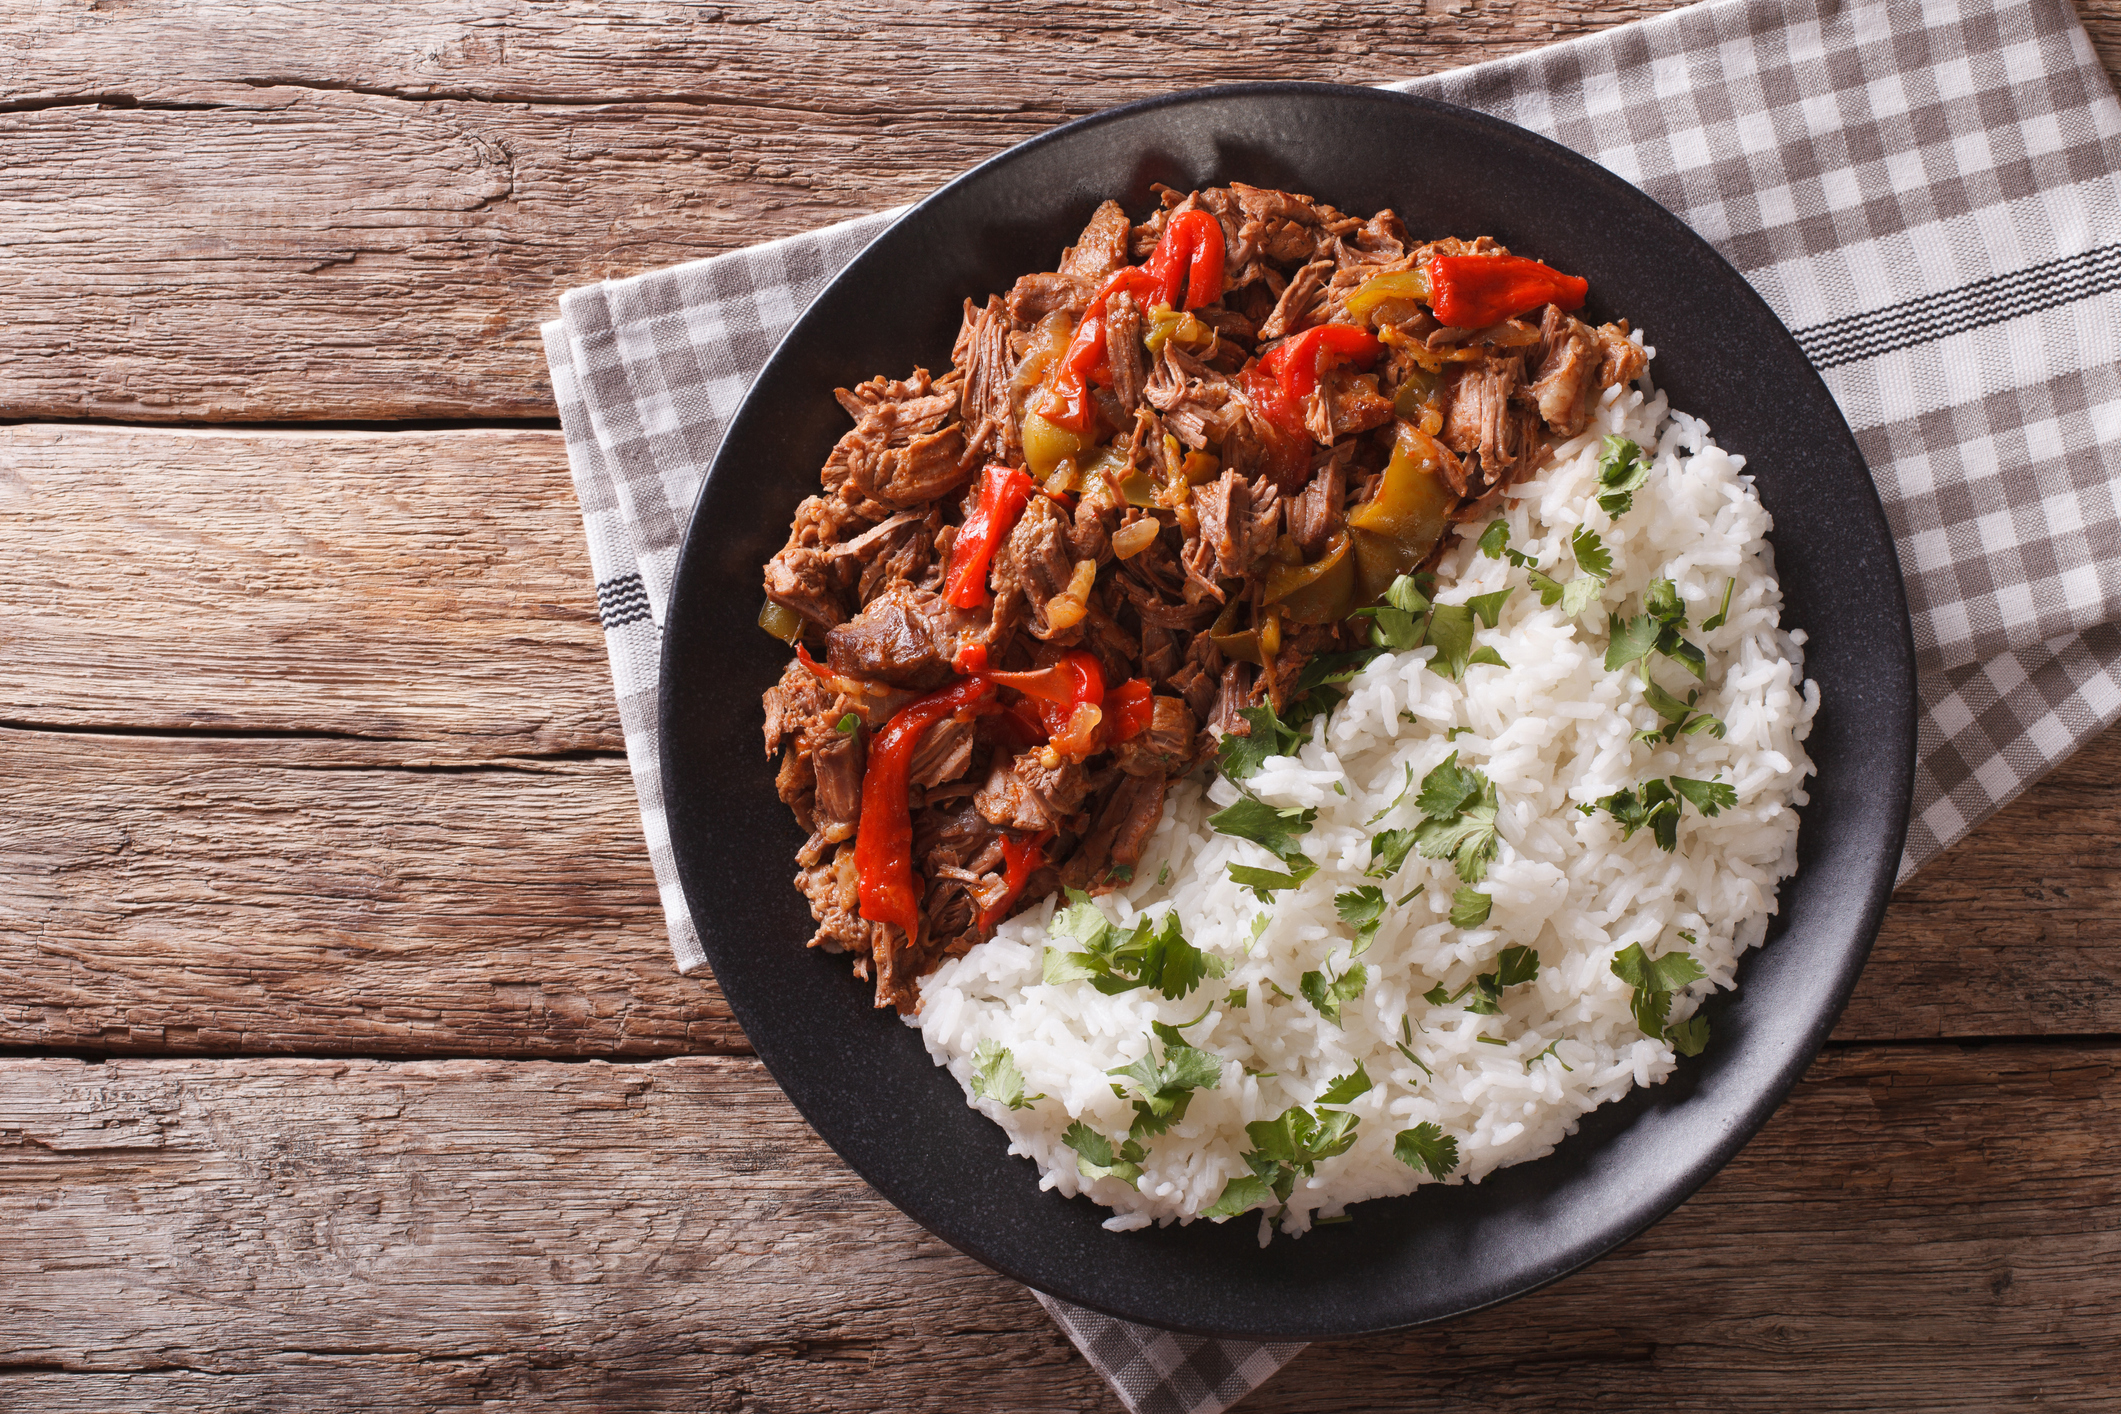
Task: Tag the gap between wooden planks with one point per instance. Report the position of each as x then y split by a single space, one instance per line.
419 837
364 214
297 1234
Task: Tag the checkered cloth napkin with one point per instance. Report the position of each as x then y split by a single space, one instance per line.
1924 192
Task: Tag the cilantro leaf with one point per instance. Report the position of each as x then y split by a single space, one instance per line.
1628 640
1240 1194
1470 907
1711 798
1345 1088
1265 883
1164 1088
1241 756
1329 995
1622 470
1553 1049
995 1077
1516 964
1722 615
1438 995
1388 850
1174 966
1272 828
1362 909
1096 1158
1654 981
1451 631
1426 1146
1592 557
1660 974
1154 954
1449 788
1495 544
1689 1037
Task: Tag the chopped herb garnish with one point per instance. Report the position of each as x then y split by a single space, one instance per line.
1121 874
1426 1146
1259 926
1407 619
1404 899
1292 1146
1272 828
1240 1194
1680 717
1361 909
1153 954
1265 883
1163 876
1164 1088
1689 1037
995 1077
1655 806
1404 1045
1491 1040
1388 850
1452 735
1514 965
1722 615
1339 789
1237 997
1622 470
1659 628
1592 558
1654 980
1329 994
1470 907
1095 1157
1551 1050
1458 809
1241 756
848 725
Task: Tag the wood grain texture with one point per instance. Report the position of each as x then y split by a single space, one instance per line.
277 1235
187 895
427 589
283 212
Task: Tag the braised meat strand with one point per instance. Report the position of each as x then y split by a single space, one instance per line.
1144 501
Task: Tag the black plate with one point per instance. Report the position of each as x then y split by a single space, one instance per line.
864 1080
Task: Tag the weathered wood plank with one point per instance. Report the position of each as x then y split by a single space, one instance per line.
2011 932
283 1235
366 217
427 588
184 896
179 896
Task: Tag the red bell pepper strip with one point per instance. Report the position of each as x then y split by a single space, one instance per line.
1069 697
1128 709
1067 402
1190 252
1297 363
883 843
1474 291
1002 494
1020 859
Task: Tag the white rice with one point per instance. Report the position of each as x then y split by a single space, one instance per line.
1552 731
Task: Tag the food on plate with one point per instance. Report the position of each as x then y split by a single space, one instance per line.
1150 494
1280 744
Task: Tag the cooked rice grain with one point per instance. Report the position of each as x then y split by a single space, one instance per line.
1553 730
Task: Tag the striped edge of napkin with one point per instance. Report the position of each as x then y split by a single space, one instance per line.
1924 193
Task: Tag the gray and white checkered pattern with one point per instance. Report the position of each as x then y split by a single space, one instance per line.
1925 192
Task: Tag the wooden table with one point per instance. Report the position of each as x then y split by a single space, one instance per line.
344 1062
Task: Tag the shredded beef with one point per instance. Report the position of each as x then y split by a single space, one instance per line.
1141 545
